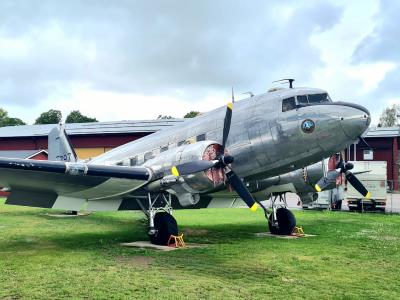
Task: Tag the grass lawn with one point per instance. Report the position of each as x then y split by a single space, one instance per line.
353 256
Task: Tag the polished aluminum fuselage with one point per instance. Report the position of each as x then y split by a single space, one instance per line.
264 140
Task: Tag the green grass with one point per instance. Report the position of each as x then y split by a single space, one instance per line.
353 256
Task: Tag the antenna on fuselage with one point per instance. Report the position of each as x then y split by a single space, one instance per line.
286 80
249 93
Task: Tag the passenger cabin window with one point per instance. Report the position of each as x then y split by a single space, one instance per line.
148 155
201 137
133 161
164 148
288 104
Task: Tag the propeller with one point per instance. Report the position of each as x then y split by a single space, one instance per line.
221 161
342 168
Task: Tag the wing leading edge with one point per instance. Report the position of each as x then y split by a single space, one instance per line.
56 184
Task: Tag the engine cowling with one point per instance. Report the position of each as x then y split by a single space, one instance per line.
193 183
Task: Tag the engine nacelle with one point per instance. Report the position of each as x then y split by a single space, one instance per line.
300 181
188 184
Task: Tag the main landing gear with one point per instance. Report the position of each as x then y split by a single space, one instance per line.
161 222
281 220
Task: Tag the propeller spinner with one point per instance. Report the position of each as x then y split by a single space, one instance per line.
221 161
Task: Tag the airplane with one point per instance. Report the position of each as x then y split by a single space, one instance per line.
185 165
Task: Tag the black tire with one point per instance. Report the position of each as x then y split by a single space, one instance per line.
165 225
286 222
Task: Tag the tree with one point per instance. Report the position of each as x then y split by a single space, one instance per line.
11 122
5 120
162 117
49 117
390 116
75 116
3 114
192 114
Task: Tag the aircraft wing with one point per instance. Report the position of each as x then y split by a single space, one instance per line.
64 185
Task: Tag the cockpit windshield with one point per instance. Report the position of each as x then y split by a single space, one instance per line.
313 98
302 100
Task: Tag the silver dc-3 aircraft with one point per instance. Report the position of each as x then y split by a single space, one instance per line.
239 147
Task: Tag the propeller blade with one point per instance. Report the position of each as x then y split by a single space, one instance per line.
239 187
193 167
324 182
227 125
357 184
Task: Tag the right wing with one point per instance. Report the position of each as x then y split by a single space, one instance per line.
56 184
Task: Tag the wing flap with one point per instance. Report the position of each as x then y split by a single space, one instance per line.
32 198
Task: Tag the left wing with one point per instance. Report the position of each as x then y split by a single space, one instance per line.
56 184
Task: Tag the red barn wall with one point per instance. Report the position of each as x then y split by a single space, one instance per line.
78 141
384 149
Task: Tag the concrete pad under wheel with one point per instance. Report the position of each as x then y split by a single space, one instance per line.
148 245
269 234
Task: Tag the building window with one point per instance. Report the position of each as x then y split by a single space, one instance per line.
368 155
201 137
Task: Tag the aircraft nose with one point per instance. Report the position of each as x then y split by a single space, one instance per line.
355 119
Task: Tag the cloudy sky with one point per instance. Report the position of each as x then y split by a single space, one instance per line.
125 59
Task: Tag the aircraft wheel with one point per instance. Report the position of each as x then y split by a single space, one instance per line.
165 225
286 222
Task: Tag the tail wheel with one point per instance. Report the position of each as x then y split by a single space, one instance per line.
286 222
165 225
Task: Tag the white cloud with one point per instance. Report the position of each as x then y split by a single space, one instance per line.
126 60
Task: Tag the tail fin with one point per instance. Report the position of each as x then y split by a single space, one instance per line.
59 145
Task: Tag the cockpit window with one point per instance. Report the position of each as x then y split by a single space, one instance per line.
288 104
302 99
312 99
318 98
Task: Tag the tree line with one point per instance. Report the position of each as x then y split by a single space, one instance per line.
54 116
389 117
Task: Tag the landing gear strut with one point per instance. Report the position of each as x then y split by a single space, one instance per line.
161 222
281 220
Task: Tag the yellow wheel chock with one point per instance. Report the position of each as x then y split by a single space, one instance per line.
177 241
298 231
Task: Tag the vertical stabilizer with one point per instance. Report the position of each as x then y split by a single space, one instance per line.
59 145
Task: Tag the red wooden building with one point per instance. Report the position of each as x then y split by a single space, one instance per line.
382 144
88 139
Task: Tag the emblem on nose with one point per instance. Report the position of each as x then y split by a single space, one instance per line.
308 126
